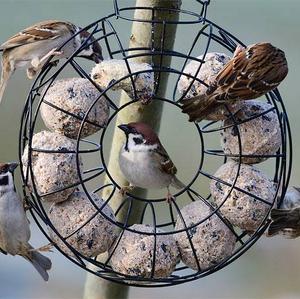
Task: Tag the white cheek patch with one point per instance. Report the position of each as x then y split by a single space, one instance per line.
142 147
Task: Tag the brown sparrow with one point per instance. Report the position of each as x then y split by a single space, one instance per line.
251 73
14 226
144 161
286 219
32 47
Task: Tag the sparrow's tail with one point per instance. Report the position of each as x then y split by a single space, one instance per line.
40 262
177 183
5 74
282 219
199 107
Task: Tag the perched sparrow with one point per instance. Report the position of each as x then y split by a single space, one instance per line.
14 226
251 73
286 219
144 161
32 47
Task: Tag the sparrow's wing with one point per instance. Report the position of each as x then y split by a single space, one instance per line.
250 73
41 31
166 164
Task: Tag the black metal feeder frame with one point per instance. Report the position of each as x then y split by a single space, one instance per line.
206 35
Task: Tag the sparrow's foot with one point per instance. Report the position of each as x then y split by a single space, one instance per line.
126 189
38 63
54 63
238 49
35 62
45 248
146 100
31 72
170 197
26 206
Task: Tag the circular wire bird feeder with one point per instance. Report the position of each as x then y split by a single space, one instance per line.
205 37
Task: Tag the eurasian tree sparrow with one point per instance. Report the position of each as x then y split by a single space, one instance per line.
286 219
251 73
144 161
32 47
14 226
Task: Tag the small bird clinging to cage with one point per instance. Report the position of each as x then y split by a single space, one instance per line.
14 226
286 219
144 161
251 73
32 47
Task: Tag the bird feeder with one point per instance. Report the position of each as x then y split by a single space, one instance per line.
61 160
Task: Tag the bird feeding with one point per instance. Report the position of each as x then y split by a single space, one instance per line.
32 47
200 233
251 73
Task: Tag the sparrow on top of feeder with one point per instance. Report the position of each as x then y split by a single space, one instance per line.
32 47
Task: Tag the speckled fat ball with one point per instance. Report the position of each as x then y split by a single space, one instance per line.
74 95
241 209
259 136
109 71
52 171
134 254
212 239
71 218
214 63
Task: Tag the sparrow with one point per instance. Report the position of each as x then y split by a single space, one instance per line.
286 219
251 73
31 48
144 162
14 226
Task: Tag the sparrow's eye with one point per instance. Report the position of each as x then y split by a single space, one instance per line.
137 140
4 169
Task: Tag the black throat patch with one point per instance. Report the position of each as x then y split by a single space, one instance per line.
4 180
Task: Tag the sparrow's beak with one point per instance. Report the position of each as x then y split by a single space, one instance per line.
13 166
97 57
124 128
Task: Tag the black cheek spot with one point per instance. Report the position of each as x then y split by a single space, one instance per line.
4 181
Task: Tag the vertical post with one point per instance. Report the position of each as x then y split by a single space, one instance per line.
143 34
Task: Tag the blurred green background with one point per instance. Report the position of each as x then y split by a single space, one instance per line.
271 268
